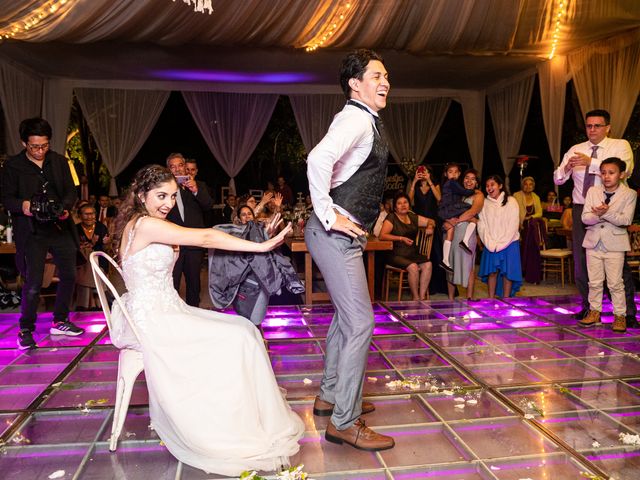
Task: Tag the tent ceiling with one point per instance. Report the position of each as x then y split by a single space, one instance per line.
437 44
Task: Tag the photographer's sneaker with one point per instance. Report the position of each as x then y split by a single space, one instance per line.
65 327
25 340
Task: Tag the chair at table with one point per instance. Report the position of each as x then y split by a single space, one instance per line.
50 281
130 362
557 260
633 256
423 242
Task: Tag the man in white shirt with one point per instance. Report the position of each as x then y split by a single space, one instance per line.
346 173
582 164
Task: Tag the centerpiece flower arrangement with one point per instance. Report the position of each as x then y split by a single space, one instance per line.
298 216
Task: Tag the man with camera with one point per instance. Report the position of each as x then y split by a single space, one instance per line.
192 201
38 189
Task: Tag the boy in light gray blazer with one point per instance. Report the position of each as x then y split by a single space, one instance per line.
608 210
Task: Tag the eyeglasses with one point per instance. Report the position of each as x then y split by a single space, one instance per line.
44 146
594 125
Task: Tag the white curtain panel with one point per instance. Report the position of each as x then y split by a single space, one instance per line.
509 107
314 114
412 126
231 124
21 97
56 108
473 110
553 76
120 121
607 75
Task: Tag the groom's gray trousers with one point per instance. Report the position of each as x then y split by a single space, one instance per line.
339 258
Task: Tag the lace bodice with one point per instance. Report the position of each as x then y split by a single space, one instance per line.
148 272
148 277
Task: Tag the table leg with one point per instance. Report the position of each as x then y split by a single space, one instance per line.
371 277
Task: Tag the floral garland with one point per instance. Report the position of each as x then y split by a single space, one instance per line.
293 473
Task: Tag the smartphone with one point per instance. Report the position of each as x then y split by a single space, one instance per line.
182 179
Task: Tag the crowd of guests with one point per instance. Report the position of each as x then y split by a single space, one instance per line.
88 222
514 229
458 211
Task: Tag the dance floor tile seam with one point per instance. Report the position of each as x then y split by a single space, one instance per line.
483 368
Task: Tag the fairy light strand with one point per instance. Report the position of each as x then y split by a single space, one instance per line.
34 18
200 5
560 12
330 28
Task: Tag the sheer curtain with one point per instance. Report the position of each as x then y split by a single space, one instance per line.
120 121
21 97
553 78
412 125
314 114
509 106
606 75
473 110
231 124
56 108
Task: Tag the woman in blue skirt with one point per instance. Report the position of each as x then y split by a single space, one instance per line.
498 227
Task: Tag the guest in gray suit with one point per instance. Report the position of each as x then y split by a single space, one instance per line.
581 164
346 173
608 210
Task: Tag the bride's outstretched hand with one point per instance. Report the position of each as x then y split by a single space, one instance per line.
277 240
274 223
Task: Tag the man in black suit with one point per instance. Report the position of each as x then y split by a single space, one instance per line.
105 212
192 201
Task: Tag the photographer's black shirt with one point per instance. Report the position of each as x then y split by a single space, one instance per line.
22 178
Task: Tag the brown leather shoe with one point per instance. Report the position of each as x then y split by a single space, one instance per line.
359 436
619 323
325 409
592 318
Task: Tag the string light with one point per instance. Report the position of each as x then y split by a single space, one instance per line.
561 11
200 5
34 18
331 27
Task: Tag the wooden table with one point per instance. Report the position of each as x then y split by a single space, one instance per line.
7 248
373 245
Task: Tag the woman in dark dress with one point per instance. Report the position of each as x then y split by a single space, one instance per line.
401 227
425 194
533 230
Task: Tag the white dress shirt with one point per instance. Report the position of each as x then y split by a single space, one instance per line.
608 147
337 157
499 225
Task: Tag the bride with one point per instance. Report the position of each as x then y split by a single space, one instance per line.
213 397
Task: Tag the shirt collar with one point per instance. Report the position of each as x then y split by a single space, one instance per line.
365 106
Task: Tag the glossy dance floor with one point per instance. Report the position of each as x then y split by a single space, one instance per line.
469 390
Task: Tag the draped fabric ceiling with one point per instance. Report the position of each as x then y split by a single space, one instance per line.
474 52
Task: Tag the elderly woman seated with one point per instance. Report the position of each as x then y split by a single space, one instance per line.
94 237
401 227
533 230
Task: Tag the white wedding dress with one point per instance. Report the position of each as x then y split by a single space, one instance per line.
213 397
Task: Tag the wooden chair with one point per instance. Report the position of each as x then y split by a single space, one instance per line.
130 363
423 242
49 281
557 260
633 256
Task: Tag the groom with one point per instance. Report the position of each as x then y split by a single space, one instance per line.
346 173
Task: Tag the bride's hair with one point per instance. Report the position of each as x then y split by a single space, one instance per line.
147 178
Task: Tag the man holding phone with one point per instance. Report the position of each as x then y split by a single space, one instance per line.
192 201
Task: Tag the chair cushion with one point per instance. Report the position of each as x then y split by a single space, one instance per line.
556 253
